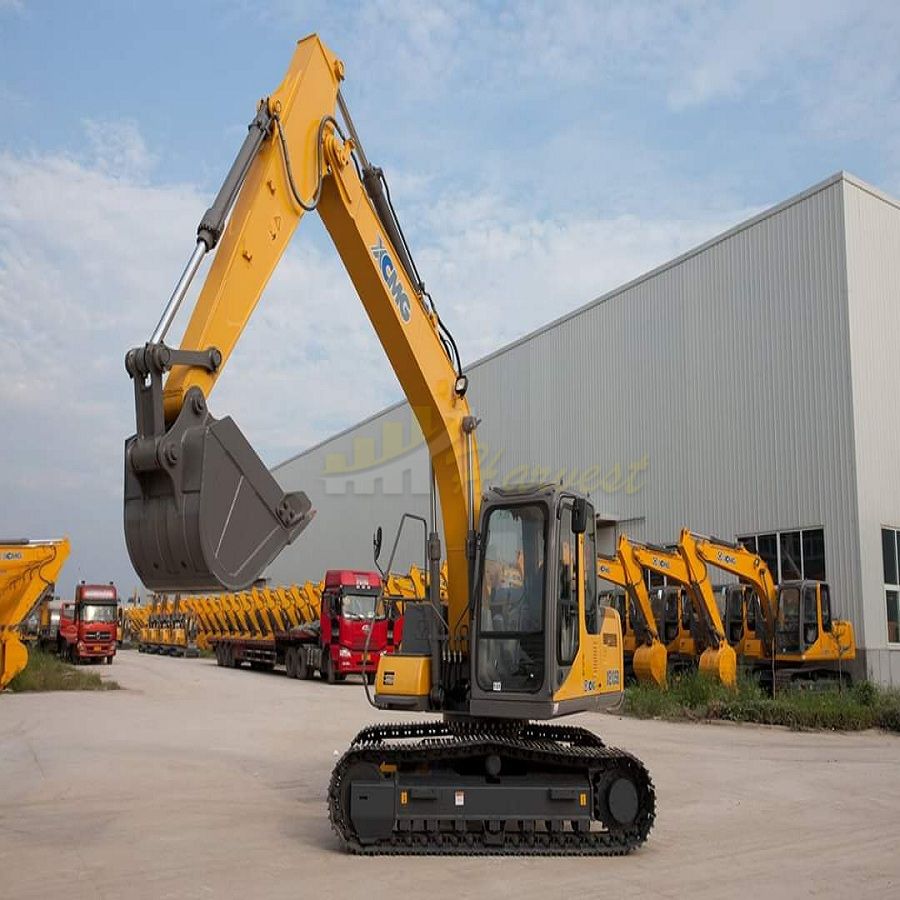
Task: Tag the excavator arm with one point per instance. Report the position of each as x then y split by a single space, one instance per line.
736 559
718 659
201 509
650 660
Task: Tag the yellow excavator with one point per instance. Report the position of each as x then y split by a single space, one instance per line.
649 655
27 569
789 625
520 639
717 658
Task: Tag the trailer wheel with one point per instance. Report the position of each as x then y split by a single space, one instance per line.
302 665
290 662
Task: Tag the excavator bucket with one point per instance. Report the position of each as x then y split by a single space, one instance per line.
27 568
650 664
202 511
720 664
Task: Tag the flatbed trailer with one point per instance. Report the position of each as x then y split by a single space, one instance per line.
300 652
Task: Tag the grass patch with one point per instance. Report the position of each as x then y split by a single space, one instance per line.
46 672
693 697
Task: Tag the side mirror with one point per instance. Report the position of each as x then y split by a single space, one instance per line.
376 542
579 515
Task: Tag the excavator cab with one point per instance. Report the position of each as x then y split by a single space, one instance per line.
804 616
201 509
539 645
535 649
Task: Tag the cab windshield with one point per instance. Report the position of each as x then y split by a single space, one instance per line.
511 600
788 621
362 606
98 612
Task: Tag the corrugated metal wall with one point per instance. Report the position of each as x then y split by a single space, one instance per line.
873 269
713 393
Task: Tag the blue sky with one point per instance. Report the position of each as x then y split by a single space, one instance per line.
539 154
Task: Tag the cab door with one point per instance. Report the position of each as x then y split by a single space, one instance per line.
588 637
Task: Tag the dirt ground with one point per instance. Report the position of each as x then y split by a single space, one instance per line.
197 782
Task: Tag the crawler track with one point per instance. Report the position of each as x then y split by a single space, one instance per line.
443 750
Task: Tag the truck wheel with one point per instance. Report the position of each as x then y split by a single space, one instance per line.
109 660
218 654
370 677
290 662
302 665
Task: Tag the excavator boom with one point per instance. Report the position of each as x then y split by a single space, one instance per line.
201 510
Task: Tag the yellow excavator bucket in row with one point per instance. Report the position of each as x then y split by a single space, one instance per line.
650 664
720 664
27 568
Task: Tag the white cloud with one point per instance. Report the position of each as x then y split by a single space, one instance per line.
117 148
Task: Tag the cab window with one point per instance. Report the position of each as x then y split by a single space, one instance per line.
826 607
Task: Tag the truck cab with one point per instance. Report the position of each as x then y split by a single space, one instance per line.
88 625
352 615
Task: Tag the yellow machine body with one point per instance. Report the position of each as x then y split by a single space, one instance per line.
790 622
521 637
27 568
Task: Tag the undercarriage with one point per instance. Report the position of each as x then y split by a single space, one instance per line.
489 787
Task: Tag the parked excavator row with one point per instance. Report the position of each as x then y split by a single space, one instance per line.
28 569
781 631
170 629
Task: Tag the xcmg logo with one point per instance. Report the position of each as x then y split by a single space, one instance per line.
604 569
389 274
726 558
660 563
12 554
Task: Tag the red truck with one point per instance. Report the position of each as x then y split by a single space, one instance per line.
87 625
334 645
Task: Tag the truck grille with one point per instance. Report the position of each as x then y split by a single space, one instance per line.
96 636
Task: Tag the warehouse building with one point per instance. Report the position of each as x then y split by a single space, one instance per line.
746 389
